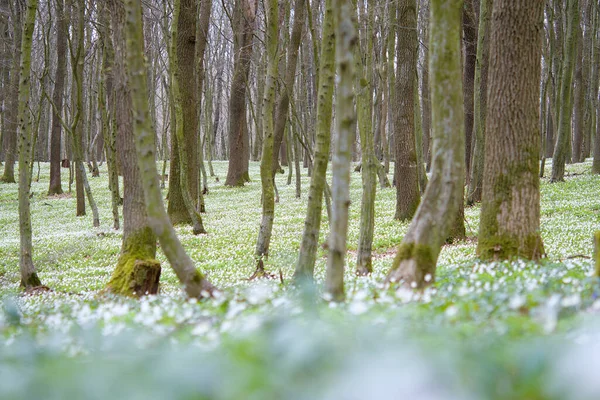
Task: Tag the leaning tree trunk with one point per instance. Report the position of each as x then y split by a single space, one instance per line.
137 272
510 210
194 282
244 21
55 186
185 108
29 276
480 103
566 94
312 223
406 174
415 262
9 134
345 131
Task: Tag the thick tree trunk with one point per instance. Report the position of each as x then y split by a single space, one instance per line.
415 262
57 98
29 276
563 139
312 223
345 132
244 21
194 282
510 211
406 174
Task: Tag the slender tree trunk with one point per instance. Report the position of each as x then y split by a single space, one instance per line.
29 276
364 103
244 21
469 25
415 262
57 98
510 210
578 98
345 131
312 223
566 94
194 282
425 103
405 166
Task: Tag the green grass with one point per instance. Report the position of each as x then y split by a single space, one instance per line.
484 330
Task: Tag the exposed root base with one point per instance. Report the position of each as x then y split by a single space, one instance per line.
260 272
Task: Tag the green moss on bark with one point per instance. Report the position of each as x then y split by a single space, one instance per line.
412 264
31 281
597 251
137 272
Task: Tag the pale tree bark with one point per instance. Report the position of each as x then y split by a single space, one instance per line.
415 261
244 24
510 210
9 134
480 102
194 282
266 163
312 223
566 94
405 167
29 276
5 63
137 272
55 186
345 131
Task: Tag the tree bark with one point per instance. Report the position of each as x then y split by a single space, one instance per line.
194 282
415 261
510 211
563 139
405 166
312 223
469 26
29 276
55 186
244 22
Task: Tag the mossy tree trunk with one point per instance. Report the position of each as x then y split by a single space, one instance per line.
480 103
266 162
563 140
55 186
137 272
29 276
194 282
244 24
345 131
406 173
312 223
415 261
597 252
9 133
183 29
510 210
364 105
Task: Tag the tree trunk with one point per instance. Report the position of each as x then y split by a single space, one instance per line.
405 166
566 94
510 211
312 223
415 262
469 25
480 102
364 105
57 98
345 131
194 282
578 98
9 135
244 21
425 103
29 276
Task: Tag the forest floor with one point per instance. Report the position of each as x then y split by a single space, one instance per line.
510 330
